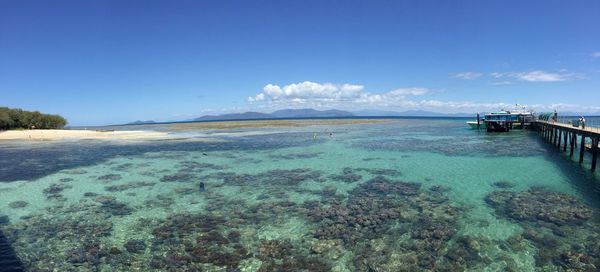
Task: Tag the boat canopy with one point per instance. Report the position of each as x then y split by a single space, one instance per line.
507 116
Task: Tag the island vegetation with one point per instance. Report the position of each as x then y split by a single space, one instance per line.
21 119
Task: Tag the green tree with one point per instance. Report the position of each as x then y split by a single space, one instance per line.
18 118
5 121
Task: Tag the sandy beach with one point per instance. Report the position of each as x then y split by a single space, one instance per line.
66 134
81 134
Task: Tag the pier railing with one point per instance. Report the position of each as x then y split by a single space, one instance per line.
593 124
566 136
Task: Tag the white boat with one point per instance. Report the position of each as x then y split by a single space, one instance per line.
505 119
473 124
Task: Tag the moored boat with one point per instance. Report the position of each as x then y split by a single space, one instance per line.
504 120
473 124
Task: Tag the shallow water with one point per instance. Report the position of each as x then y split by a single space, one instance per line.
404 195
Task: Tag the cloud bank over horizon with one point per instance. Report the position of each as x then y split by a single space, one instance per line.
350 96
534 76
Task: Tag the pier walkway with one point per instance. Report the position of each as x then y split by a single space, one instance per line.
565 136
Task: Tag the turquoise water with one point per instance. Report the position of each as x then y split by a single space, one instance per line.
403 195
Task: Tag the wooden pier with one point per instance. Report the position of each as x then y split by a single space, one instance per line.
565 137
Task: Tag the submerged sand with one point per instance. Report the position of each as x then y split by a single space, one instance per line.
67 134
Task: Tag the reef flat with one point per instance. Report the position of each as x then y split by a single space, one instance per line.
269 123
330 196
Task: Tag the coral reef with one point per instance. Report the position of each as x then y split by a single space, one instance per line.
122 167
383 186
348 175
197 167
9 261
180 176
294 156
557 224
62 243
382 210
540 205
278 177
129 185
54 191
109 178
135 246
259 218
457 146
503 184
209 247
4 219
18 204
380 171
110 205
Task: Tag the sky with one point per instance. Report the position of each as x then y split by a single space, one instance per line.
110 62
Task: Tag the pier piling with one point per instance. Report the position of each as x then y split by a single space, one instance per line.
582 149
594 153
564 136
573 141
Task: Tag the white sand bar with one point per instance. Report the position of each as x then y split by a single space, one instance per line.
67 134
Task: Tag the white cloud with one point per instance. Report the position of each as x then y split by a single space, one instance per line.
329 95
528 76
501 83
409 91
258 97
536 76
354 97
458 106
541 76
596 54
308 90
467 75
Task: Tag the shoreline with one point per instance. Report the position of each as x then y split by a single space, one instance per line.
68 134
107 132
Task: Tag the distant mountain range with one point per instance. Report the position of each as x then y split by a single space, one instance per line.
287 113
312 113
139 122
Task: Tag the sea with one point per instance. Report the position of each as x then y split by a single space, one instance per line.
399 194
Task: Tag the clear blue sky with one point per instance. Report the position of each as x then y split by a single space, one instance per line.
103 62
